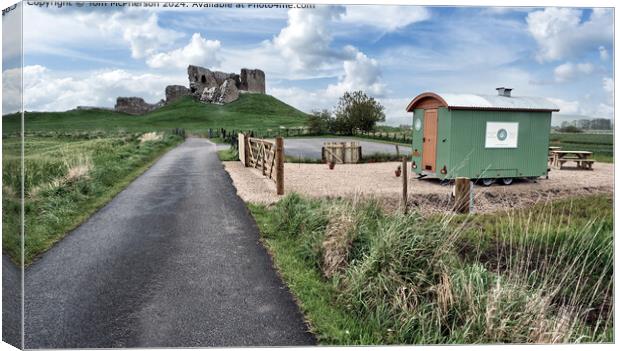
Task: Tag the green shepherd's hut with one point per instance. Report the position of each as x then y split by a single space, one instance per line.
481 137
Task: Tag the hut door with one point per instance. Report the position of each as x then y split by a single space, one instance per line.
429 142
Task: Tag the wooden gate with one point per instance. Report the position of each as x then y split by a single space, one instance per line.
268 156
341 152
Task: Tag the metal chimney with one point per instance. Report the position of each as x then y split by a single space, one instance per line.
503 91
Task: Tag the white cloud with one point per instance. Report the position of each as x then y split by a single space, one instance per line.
305 41
576 107
567 107
396 111
319 99
387 18
360 73
303 99
561 33
461 45
608 84
569 70
603 53
11 90
145 37
76 34
199 51
46 90
603 111
608 87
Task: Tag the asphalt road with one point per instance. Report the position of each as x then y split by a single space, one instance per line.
172 261
311 147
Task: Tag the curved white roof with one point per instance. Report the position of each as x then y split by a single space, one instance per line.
488 102
497 101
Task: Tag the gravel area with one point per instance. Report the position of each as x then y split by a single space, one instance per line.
377 180
311 147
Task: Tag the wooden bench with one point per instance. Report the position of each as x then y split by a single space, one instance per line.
581 162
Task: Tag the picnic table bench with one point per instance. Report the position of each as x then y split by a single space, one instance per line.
551 157
582 158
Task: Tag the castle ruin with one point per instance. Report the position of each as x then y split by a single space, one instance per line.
204 85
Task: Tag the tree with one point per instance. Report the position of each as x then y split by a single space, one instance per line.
600 124
357 111
569 129
319 122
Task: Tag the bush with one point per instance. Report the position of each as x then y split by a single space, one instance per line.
570 129
319 122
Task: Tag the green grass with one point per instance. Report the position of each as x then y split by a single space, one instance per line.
362 276
76 161
229 154
249 112
601 145
66 180
300 159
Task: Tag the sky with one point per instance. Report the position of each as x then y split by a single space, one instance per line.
311 56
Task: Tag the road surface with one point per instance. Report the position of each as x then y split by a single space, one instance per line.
172 261
311 147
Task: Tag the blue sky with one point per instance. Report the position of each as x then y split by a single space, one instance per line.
89 56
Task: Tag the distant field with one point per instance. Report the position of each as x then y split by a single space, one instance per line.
251 111
66 180
602 145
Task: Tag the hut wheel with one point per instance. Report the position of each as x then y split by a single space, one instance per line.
507 181
488 181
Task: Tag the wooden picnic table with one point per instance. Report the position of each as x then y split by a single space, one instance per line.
582 158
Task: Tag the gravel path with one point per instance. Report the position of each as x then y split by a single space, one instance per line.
378 180
173 261
311 147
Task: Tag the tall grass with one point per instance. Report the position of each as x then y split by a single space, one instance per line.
528 276
66 178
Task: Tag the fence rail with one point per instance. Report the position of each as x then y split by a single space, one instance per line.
231 136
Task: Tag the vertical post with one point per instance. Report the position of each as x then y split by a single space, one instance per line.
246 150
404 176
279 166
462 188
264 152
397 150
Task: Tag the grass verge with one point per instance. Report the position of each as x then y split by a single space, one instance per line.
538 275
229 154
67 180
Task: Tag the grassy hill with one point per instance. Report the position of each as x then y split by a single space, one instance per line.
251 111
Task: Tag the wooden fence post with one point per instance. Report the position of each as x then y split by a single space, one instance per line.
246 149
280 166
263 154
404 176
462 188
